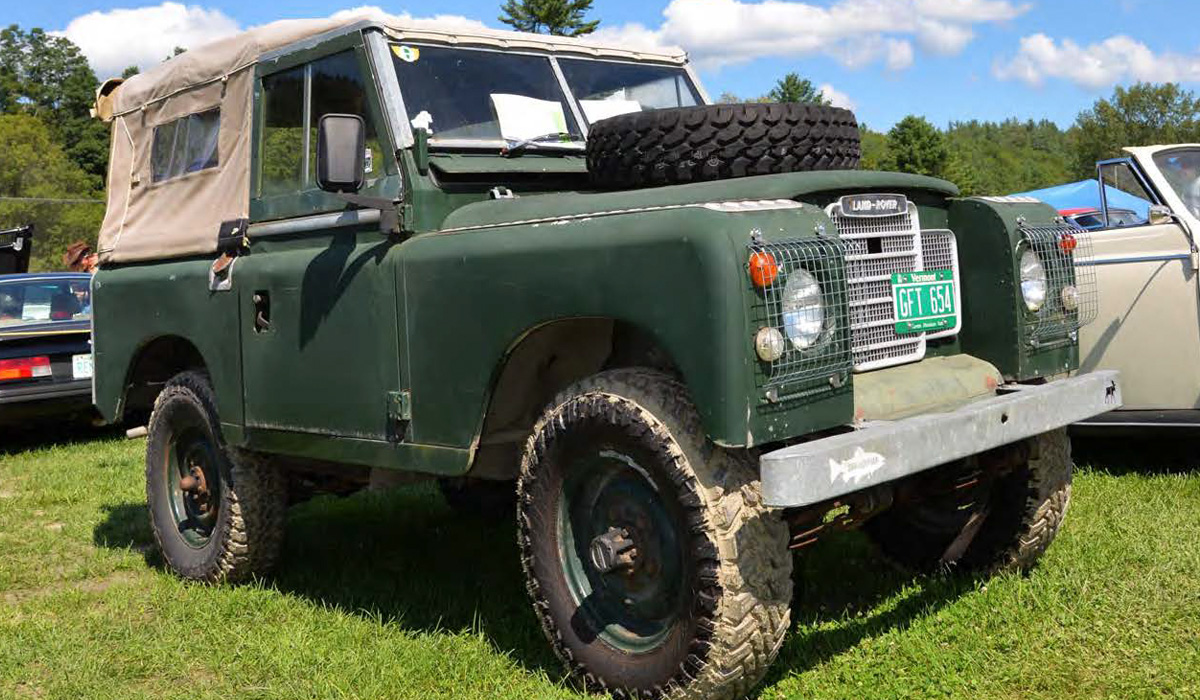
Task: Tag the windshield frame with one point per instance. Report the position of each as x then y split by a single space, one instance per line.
498 144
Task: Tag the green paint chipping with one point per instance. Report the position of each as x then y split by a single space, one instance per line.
924 301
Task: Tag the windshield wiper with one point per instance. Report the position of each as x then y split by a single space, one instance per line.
516 148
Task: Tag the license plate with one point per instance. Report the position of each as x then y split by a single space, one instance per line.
924 301
81 366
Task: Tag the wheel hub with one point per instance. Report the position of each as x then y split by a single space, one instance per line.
195 486
613 550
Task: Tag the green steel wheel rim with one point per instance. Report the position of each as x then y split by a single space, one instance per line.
193 484
607 493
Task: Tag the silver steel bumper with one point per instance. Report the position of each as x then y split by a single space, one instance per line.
884 451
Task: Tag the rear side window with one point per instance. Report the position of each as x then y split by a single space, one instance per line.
282 154
185 145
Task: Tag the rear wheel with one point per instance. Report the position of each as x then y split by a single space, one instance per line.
985 524
217 513
653 565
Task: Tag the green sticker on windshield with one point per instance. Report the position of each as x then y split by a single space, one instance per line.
408 54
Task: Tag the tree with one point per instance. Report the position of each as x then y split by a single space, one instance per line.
36 169
793 88
559 17
916 146
130 71
875 155
1141 115
48 77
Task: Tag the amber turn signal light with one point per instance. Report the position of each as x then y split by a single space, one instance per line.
1067 243
763 269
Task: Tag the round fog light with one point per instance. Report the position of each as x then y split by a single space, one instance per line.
1070 298
769 344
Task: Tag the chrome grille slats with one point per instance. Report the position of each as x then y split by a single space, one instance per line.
896 245
939 251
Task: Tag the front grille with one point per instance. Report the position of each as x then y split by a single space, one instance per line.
939 251
877 247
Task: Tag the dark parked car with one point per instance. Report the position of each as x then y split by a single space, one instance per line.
45 346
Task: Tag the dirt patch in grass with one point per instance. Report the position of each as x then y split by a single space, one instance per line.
92 585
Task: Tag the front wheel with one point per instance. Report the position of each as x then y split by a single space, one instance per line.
217 513
998 524
654 567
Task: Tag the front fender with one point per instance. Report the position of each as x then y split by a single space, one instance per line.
677 274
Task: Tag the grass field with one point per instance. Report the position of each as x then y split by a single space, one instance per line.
393 596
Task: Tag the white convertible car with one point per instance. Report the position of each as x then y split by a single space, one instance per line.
1148 308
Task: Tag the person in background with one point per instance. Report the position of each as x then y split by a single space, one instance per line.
80 258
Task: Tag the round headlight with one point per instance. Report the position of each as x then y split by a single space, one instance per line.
1070 298
1033 281
769 344
803 310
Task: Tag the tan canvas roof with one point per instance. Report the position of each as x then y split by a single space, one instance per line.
180 214
216 60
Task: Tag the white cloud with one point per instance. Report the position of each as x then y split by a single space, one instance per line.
836 97
144 36
855 32
943 38
439 21
1099 65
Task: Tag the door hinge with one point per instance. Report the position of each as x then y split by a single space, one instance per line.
399 406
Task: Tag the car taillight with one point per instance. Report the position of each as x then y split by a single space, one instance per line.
24 368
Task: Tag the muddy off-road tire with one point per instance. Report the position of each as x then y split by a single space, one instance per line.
229 525
1024 510
700 606
717 142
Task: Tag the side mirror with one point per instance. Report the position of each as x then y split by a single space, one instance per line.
1160 214
341 146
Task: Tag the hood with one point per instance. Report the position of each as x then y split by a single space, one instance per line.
783 186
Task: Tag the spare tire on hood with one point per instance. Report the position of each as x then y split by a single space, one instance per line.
716 142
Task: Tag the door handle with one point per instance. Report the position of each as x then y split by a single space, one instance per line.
262 311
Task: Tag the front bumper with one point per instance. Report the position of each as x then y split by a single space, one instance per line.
885 451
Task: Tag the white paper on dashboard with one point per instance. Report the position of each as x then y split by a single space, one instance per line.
523 117
595 110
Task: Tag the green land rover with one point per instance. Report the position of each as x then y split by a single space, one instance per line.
687 339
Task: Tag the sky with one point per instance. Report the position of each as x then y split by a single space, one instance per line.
947 60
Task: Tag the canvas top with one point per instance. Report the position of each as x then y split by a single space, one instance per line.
217 60
181 151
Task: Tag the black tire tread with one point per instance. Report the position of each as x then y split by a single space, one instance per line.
717 142
1026 510
746 581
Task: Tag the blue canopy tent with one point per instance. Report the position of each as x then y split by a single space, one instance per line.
1086 193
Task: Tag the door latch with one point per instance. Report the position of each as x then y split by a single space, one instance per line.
262 311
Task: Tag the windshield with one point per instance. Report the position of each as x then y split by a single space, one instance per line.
458 94
606 88
1181 168
29 301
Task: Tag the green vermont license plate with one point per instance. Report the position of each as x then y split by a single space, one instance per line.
924 301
